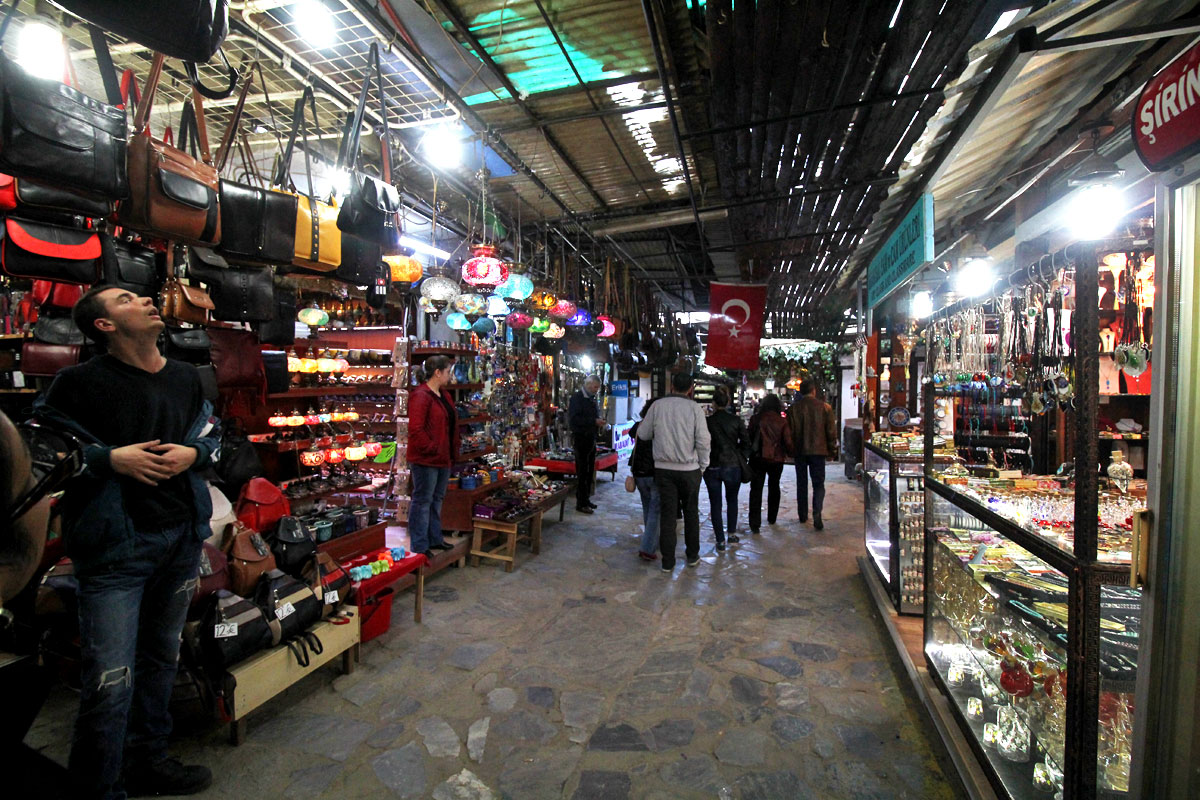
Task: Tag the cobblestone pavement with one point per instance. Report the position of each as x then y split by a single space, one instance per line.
588 673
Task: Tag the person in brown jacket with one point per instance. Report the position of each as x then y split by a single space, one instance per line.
814 432
771 446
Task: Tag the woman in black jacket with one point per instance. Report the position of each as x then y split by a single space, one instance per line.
641 465
729 442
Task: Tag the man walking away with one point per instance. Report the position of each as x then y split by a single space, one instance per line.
729 444
814 432
583 415
677 426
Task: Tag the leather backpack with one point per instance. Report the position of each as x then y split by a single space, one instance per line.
248 556
293 544
290 606
231 630
329 581
213 573
261 505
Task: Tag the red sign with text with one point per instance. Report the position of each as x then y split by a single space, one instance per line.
1166 120
735 325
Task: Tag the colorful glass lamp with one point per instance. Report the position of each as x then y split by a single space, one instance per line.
483 270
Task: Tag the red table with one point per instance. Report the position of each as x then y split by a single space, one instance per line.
604 463
377 583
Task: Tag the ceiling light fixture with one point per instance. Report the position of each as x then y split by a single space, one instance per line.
315 23
40 50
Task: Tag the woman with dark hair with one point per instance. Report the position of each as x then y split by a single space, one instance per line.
641 465
770 447
432 448
729 441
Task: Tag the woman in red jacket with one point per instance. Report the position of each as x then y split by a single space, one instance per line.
432 448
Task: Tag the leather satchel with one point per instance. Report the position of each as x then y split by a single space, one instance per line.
51 296
249 558
51 252
192 30
261 505
329 581
231 630
58 330
40 199
42 360
317 244
293 545
238 359
213 573
180 303
291 607
362 261
282 329
130 266
239 294
172 195
188 344
370 208
54 133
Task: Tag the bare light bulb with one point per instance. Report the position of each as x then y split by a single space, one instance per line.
40 50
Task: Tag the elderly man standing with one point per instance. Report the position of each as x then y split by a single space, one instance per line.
583 416
677 426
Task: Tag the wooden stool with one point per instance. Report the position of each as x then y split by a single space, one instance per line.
506 551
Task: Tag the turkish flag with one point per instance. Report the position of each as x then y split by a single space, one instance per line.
735 324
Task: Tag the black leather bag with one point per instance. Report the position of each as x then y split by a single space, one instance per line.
54 252
231 630
282 329
362 261
239 294
239 461
58 330
188 344
290 606
52 132
192 30
279 380
293 545
43 200
130 266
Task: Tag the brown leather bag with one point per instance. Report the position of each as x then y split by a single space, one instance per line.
180 303
171 194
249 557
39 359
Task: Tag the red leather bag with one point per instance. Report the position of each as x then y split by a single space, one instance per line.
261 505
54 296
39 359
214 572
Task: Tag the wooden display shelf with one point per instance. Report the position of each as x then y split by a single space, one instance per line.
303 444
443 351
6 337
318 495
368 540
18 391
473 454
330 391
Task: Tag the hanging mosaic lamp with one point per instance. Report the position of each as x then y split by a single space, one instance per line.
356 452
372 447
518 320
278 420
308 365
295 419
470 304
518 288
404 269
458 322
350 415
439 288
337 415
325 416
326 364
483 270
484 326
542 299
293 364
609 329
430 307
335 455
313 315
313 456
562 310
496 307
555 331
312 418
540 325
581 318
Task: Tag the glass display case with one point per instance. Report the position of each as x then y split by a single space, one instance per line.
894 500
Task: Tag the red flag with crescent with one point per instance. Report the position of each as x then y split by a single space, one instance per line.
735 324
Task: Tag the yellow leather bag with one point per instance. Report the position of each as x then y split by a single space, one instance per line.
318 240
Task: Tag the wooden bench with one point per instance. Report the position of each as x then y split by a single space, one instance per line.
261 677
510 531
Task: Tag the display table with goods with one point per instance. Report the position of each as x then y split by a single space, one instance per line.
504 513
562 461
894 504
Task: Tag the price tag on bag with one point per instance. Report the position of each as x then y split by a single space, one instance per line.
284 611
331 597
225 630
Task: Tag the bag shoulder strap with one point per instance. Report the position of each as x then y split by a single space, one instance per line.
201 127
231 130
348 152
142 118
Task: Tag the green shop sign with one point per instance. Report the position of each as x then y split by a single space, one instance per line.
903 253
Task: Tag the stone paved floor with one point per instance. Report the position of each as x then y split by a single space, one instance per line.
587 673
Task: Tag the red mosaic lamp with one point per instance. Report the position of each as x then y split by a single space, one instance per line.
483 270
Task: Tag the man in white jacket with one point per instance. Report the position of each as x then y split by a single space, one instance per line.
679 431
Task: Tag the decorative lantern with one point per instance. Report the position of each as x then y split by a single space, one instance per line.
337 415
335 455
562 310
312 418
430 307
372 447
295 419
324 416
580 318
470 304
484 326
356 452
278 420
341 365
350 415
540 325
554 331
439 289
313 456
313 316
542 299
404 269
293 364
308 366
326 364
483 270
518 320
517 288
458 322
609 328
496 307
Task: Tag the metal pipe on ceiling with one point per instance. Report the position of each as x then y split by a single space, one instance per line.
651 221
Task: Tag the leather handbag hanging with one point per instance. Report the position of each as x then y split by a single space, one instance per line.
239 294
231 630
258 224
180 303
57 330
317 245
51 132
329 581
238 359
370 207
293 545
282 329
51 296
290 606
130 266
189 29
261 505
249 558
37 198
53 252
187 344
172 195
42 360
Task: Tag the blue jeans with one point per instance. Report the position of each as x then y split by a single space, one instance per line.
425 511
806 467
131 614
649 493
731 479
